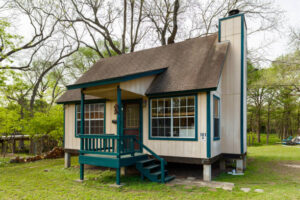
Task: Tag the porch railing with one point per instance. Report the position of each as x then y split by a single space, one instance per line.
107 144
110 144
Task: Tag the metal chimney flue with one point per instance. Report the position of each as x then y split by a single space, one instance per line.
233 12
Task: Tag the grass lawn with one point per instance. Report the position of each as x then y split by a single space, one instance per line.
266 170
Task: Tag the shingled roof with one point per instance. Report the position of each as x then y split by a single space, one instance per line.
193 64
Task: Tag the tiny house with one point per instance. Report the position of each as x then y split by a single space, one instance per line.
182 103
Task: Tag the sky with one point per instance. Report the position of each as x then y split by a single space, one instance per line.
279 45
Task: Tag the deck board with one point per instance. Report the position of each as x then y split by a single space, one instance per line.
111 160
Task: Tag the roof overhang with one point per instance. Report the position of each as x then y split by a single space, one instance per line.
116 79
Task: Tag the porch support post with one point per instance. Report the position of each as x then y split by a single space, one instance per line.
222 165
67 160
119 132
119 119
239 165
207 172
82 132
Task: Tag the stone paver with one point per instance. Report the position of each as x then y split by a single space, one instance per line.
259 190
245 189
191 178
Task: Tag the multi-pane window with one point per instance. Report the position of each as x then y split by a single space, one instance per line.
93 119
132 116
216 117
173 117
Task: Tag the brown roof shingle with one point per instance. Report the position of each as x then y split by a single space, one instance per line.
191 65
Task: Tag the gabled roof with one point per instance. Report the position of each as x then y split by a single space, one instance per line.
194 64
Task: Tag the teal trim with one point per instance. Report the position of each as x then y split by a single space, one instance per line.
219 107
82 113
103 101
81 171
112 162
208 125
119 118
116 80
140 102
180 93
86 101
242 84
82 132
172 138
64 126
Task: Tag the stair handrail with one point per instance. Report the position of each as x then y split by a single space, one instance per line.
162 161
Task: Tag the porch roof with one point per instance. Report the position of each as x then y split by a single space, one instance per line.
191 65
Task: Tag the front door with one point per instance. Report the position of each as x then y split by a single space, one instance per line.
131 119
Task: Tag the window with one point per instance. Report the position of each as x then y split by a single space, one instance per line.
216 117
173 117
132 118
93 119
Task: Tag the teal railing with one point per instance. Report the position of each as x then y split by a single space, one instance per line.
162 161
110 144
107 144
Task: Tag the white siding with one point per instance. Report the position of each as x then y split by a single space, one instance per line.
231 88
71 142
179 148
137 86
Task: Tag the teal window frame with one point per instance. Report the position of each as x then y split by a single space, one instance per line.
195 138
219 115
91 102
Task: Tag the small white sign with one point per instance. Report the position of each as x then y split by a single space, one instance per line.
203 136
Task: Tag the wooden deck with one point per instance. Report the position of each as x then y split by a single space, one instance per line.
111 160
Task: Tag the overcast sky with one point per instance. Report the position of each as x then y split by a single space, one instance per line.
279 45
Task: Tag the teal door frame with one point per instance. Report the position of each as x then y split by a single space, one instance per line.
140 102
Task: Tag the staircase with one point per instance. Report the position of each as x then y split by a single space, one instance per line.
154 170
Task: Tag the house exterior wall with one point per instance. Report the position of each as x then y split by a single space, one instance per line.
137 86
233 94
179 148
216 147
176 148
73 142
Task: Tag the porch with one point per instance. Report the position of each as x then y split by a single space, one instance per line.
120 149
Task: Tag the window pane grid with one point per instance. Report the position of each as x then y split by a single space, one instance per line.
216 117
94 118
173 117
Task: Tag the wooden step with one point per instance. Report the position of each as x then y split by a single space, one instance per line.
146 161
150 167
158 173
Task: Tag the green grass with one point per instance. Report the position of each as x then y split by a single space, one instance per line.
273 139
265 170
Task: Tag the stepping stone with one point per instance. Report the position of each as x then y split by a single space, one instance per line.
227 188
191 178
246 189
259 190
116 186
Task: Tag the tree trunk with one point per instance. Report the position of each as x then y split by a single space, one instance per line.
268 125
258 126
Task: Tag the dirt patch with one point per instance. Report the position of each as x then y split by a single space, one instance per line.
189 184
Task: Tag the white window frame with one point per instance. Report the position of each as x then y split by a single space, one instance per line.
89 118
194 136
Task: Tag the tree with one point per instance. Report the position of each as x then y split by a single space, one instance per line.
256 94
